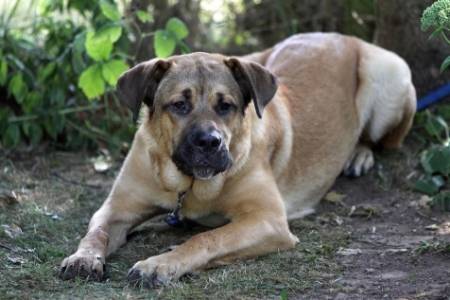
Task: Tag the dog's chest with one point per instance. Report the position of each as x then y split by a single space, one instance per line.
201 212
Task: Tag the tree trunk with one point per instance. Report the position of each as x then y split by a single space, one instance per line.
398 29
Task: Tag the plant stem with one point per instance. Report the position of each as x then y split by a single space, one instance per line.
64 111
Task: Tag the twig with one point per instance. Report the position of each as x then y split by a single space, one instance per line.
63 111
74 182
7 247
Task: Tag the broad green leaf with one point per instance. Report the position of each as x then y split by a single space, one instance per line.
3 71
50 128
32 100
164 43
46 71
33 131
177 27
442 201
99 44
56 97
35 134
98 47
11 137
144 16
91 82
77 60
113 32
112 70
445 64
5 114
110 10
17 87
436 160
428 185
435 126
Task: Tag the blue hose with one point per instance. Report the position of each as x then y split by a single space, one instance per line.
433 97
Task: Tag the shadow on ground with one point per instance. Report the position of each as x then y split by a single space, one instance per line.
370 239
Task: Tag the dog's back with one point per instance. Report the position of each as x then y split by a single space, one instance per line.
341 91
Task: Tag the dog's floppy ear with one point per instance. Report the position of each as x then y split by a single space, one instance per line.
139 84
255 81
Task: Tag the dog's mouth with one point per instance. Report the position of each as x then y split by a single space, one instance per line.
203 173
199 166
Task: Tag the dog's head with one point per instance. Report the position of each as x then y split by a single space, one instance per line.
197 105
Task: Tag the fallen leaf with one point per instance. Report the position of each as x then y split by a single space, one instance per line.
365 211
13 231
8 198
16 260
348 251
425 201
101 163
432 227
335 198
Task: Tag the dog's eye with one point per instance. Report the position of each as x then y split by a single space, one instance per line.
224 108
181 107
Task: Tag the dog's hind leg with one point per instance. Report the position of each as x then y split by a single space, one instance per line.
386 103
360 162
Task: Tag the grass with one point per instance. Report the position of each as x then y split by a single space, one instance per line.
54 214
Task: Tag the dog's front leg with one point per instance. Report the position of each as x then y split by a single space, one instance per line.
258 226
107 231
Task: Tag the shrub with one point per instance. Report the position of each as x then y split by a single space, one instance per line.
58 70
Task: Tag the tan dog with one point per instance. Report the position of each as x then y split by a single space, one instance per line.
240 168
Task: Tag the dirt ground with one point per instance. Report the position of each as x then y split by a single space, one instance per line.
371 238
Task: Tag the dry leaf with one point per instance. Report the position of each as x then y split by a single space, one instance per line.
102 163
8 198
335 198
348 251
12 231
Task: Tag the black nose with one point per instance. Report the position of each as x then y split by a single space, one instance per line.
207 141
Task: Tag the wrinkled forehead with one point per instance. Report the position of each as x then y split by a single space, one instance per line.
200 71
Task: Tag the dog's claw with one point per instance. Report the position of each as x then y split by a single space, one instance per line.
137 279
360 162
90 268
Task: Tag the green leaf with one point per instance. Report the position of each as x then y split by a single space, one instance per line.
99 44
435 126
78 63
429 185
110 10
32 100
50 128
11 137
442 201
36 134
445 64
3 71
164 43
17 87
98 47
113 32
177 27
33 131
91 82
436 160
113 69
47 71
144 16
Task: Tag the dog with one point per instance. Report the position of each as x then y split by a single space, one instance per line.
245 144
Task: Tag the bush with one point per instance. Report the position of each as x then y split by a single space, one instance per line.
58 70
435 160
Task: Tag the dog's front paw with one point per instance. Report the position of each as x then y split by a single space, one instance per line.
156 271
83 264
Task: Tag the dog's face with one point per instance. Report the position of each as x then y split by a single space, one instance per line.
197 105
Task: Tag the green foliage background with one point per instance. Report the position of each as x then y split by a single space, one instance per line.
59 68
